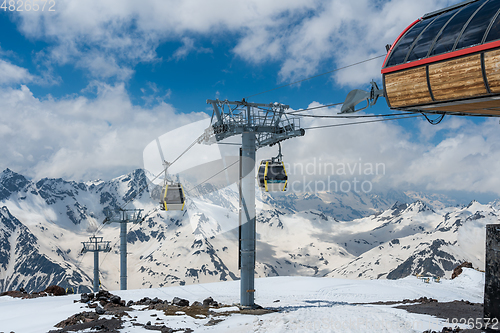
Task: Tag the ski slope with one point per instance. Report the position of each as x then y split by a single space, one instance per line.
305 304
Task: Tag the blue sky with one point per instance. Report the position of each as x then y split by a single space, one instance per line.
86 87
184 72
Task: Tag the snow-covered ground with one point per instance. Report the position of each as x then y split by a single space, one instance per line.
306 304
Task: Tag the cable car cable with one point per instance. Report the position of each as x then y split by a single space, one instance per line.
185 151
301 110
198 185
318 75
148 183
334 125
80 261
341 116
361 122
194 142
408 112
338 116
361 116
206 180
315 107
156 177
111 249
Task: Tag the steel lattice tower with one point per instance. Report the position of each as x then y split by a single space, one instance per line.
260 125
96 245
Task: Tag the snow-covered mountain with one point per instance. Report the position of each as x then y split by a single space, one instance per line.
42 225
23 264
415 239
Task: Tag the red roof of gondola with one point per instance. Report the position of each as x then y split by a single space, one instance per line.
468 27
397 40
441 57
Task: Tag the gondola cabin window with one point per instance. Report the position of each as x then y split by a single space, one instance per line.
272 176
175 195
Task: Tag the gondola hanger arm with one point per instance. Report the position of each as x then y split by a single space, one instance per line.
358 96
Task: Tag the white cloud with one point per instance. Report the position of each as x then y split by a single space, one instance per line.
154 95
12 74
466 159
384 143
449 125
185 49
80 138
339 33
188 47
302 35
463 157
127 32
101 66
370 27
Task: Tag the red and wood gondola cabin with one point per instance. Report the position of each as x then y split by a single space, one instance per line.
447 62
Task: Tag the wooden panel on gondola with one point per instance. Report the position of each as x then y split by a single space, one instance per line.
457 78
407 87
492 69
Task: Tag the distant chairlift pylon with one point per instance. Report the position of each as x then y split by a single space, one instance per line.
96 245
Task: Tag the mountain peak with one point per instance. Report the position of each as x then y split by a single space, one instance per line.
398 207
472 203
420 206
136 176
8 173
11 182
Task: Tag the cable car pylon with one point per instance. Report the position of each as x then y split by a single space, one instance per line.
260 125
96 245
125 216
